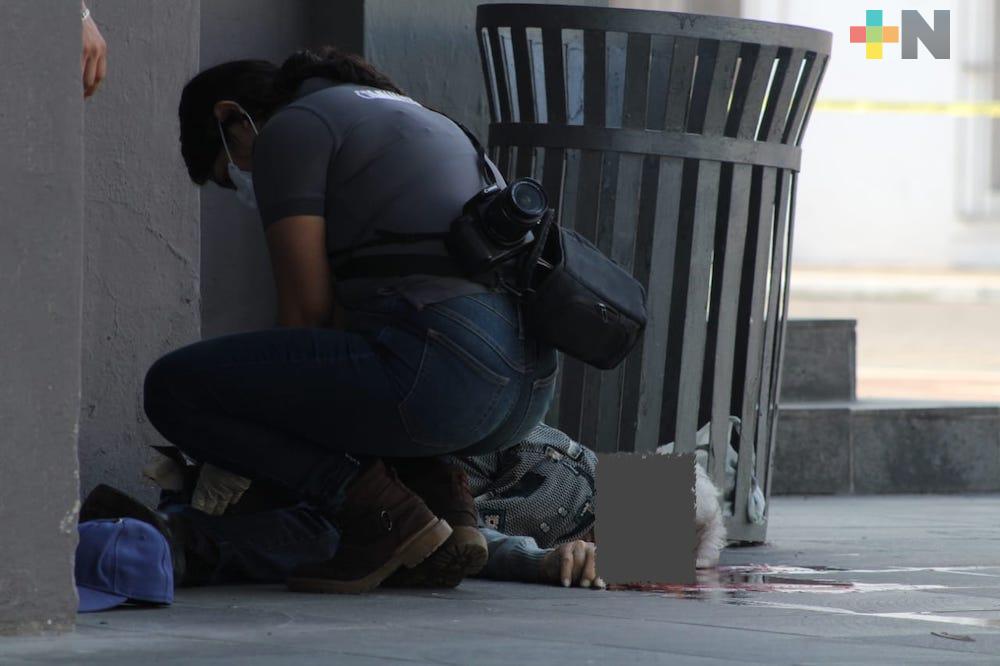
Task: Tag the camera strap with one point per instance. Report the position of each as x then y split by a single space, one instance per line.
489 168
531 261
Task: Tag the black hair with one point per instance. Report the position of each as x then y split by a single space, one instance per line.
261 88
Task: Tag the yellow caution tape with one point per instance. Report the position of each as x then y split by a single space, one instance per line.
989 109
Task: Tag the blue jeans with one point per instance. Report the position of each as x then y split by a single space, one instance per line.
262 546
298 407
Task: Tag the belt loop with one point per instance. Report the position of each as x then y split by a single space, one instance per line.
520 321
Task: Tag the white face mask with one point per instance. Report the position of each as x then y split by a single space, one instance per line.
242 180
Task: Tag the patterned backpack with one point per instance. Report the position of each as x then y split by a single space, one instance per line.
542 487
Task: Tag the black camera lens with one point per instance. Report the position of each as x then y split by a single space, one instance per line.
528 198
512 213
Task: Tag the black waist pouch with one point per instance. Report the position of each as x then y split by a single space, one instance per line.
578 300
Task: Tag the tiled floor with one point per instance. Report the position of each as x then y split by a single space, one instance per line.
858 580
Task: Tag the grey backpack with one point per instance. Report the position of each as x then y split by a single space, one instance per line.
542 487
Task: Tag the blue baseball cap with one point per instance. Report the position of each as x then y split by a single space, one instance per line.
122 560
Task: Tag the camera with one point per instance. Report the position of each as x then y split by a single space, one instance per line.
496 225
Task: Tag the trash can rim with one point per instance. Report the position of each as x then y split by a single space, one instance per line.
662 143
613 19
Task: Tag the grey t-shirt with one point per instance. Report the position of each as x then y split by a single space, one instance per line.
366 160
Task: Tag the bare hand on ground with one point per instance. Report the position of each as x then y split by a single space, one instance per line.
217 489
573 563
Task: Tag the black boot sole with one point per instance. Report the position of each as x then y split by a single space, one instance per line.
464 554
105 502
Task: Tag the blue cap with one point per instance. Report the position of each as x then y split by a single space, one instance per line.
122 560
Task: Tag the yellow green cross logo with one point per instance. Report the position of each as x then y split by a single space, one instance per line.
873 34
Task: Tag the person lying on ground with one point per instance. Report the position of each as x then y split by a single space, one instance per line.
541 492
260 539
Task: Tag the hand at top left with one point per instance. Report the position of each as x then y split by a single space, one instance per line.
94 60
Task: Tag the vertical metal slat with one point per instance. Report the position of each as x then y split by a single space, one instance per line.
522 72
811 102
721 87
772 323
801 98
772 125
595 74
555 81
640 267
661 53
660 227
500 71
636 81
751 86
695 325
679 87
722 382
762 219
704 75
764 466
484 48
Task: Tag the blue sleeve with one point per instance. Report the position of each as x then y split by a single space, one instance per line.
516 558
291 161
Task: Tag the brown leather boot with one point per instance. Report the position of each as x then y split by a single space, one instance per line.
445 489
383 526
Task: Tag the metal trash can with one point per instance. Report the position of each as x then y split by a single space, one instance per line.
672 142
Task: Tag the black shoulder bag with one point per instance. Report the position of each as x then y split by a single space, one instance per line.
578 300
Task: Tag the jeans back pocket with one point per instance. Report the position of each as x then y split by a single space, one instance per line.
456 400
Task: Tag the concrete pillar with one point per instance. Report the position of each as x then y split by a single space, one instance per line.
41 223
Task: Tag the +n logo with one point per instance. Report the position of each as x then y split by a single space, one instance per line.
873 34
913 30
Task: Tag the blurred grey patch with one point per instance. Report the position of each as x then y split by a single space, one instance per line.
645 528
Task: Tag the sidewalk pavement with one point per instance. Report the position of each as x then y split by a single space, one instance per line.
859 580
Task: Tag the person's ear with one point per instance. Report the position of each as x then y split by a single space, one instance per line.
224 109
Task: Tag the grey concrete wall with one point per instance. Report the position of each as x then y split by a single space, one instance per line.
41 224
429 49
237 287
141 236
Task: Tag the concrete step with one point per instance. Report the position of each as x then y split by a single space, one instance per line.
820 360
882 447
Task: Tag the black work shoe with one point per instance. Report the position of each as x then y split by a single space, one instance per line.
445 489
107 502
383 526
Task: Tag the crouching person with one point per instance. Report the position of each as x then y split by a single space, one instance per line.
356 185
